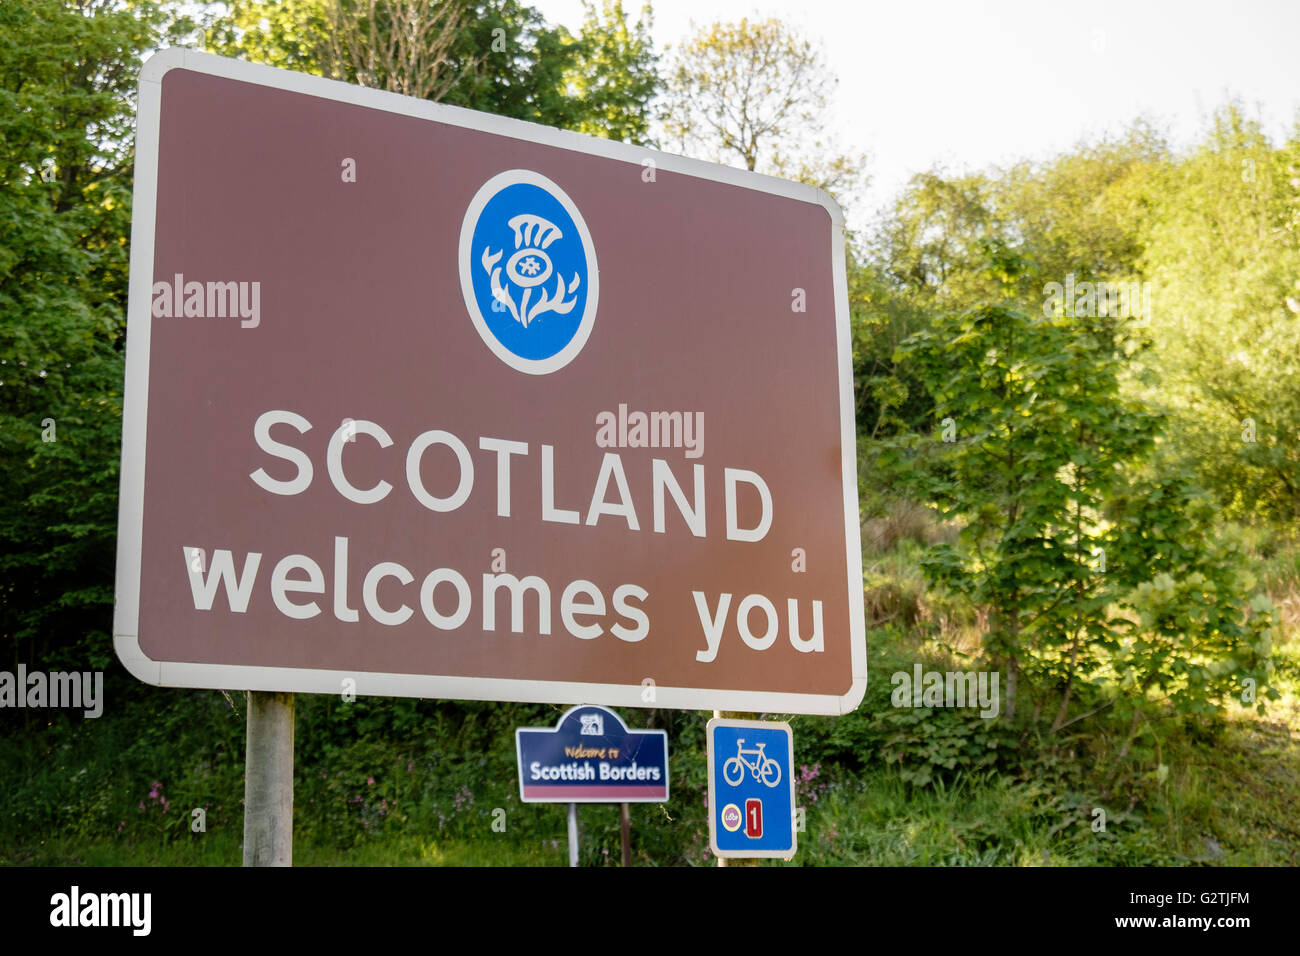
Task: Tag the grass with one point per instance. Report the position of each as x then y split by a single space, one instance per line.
212 849
1227 800
875 821
1231 798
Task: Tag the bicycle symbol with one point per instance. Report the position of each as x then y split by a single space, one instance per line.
764 768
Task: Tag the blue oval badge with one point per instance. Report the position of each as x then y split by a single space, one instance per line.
528 271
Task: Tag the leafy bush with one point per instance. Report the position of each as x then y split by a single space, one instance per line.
1098 579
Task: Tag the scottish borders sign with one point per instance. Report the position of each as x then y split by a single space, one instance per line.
590 756
427 402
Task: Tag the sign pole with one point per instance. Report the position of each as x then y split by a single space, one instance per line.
722 860
268 780
573 834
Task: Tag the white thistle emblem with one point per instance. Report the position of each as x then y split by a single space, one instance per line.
527 269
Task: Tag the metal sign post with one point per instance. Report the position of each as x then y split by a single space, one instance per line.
268 780
573 834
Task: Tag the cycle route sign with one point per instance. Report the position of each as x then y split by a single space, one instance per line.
751 788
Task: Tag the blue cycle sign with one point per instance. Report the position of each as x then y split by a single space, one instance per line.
762 767
751 788
590 756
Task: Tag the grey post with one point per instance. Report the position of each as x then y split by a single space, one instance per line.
573 834
268 780
722 860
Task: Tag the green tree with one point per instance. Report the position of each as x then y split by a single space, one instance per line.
403 46
1096 574
614 72
67 77
287 34
932 248
924 258
1223 258
1082 213
497 56
756 92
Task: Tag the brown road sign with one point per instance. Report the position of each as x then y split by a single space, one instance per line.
426 402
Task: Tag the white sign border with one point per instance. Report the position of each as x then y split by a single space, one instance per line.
126 611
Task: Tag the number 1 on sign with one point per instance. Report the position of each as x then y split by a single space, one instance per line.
753 818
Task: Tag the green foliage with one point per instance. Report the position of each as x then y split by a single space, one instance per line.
755 93
67 74
1037 456
135 773
931 249
527 78
1080 214
1086 212
925 746
889 399
288 34
928 745
376 767
503 58
1223 258
614 74
369 776
1196 629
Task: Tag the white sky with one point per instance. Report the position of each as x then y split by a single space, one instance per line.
970 84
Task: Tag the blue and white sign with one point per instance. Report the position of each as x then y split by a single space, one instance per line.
751 788
528 271
591 757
